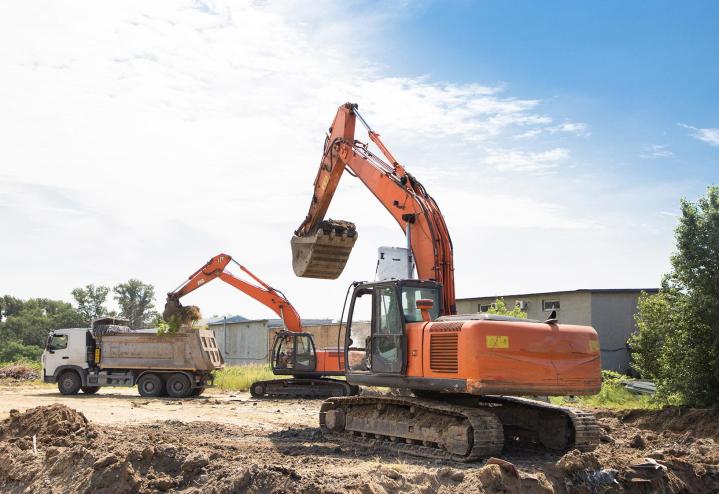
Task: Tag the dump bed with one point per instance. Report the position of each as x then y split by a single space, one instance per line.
191 350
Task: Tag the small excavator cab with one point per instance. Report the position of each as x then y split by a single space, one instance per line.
324 253
294 353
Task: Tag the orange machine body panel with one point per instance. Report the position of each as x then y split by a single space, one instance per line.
330 361
506 357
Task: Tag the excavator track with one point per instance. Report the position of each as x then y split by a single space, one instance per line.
304 388
461 428
426 428
551 426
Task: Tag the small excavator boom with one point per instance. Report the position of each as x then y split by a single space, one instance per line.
262 292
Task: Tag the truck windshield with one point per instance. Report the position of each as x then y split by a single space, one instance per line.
57 342
410 295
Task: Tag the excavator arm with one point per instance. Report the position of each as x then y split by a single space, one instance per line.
320 248
262 292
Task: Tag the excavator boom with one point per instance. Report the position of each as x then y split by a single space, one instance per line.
320 248
262 292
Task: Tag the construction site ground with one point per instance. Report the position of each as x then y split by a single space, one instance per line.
117 441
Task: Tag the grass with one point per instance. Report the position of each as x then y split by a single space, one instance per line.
615 396
240 377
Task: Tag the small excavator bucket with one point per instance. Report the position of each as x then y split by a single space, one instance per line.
180 314
173 309
324 253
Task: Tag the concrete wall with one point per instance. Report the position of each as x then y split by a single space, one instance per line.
243 342
613 318
251 342
575 307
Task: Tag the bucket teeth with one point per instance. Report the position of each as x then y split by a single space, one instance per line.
324 253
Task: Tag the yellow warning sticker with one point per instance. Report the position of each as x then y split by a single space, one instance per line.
593 345
497 341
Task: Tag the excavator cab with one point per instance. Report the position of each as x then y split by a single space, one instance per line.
376 339
294 353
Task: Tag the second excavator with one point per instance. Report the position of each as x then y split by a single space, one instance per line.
293 350
468 373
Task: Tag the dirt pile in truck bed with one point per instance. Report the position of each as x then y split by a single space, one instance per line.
204 457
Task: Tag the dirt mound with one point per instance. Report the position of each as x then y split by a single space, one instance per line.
696 422
18 372
47 423
207 457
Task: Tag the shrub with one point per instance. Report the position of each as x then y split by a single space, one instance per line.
13 351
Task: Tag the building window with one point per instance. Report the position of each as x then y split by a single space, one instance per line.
486 307
550 305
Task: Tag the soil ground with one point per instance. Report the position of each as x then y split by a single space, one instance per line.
117 441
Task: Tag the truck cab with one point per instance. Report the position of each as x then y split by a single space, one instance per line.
66 349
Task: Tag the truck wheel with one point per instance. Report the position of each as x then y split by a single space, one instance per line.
197 391
178 386
69 383
150 385
90 390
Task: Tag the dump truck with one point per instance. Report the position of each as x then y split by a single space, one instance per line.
111 354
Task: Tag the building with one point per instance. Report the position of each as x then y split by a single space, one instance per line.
244 341
609 311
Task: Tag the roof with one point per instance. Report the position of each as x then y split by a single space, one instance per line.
271 323
213 321
556 292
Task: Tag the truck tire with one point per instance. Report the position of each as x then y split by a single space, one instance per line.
197 391
90 390
150 386
69 382
178 385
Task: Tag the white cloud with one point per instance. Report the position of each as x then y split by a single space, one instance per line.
575 128
542 162
656 151
708 135
141 138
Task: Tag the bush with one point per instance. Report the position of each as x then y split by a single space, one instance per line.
13 351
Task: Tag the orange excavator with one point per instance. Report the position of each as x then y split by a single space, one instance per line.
293 350
468 373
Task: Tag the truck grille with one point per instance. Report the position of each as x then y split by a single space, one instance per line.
443 352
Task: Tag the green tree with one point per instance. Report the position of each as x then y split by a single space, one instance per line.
499 307
91 301
30 321
136 301
677 342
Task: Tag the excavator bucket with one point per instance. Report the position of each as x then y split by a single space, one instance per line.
180 314
324 253
173 309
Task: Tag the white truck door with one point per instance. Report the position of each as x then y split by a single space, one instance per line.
56 352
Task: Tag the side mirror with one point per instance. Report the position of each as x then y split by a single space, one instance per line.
425 305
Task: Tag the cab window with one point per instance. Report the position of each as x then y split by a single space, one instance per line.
57 342
410 295
388 320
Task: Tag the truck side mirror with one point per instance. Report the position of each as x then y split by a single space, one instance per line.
425 305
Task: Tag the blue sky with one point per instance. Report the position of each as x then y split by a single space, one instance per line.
140 139
633 69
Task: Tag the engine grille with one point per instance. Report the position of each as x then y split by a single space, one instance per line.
443 352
